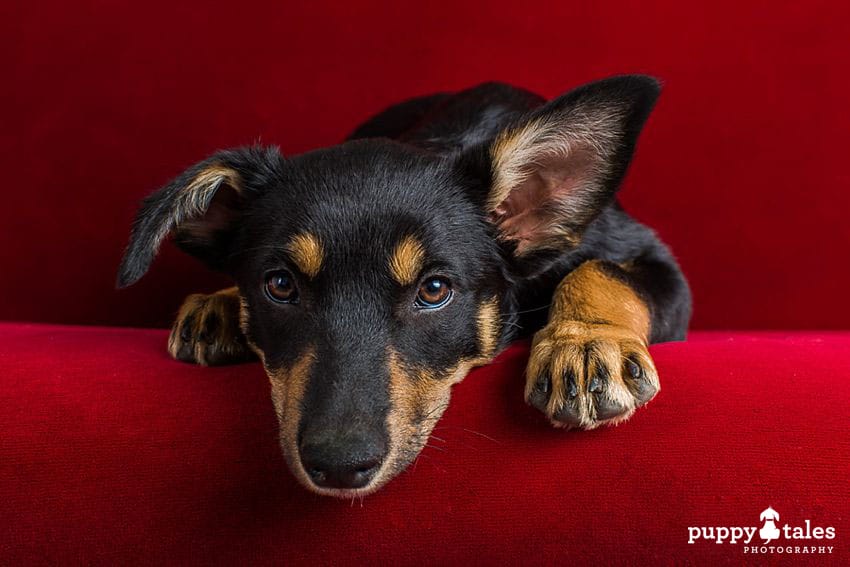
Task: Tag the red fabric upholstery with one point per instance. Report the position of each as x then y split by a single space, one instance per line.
113 454
742 168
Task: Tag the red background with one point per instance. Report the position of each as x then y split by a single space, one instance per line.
742 169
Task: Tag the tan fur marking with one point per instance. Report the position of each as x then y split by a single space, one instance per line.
243 326
287 387
210 179
406 261
589 294
412 393
488 327
418 400
243 315
306 251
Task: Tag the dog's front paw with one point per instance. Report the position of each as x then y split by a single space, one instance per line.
207 330
585 374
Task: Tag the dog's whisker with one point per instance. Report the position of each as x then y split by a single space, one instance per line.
481 435
434 410
533 309
445 427
433 463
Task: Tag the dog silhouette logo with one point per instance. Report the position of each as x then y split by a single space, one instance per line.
769 531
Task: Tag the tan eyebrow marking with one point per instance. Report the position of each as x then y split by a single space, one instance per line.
305 249
406 260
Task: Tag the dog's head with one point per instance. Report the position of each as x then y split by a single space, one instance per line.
373 275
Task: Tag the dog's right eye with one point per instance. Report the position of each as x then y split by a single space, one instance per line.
280 287
433 293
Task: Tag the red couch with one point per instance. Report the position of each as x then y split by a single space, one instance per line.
111 453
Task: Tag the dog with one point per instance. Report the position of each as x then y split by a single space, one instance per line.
371 276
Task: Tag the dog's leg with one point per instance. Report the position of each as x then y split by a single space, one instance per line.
207 330
590 365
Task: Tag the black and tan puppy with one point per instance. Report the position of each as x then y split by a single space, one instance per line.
371 276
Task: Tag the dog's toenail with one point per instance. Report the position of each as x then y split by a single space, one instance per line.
634 368
571 381
568 415
211 325
596 385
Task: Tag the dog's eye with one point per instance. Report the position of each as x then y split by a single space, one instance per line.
433 293
280 287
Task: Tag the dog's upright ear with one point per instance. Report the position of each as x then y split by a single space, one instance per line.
199 208
555 169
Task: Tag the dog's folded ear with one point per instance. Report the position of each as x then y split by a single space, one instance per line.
200 208
556 168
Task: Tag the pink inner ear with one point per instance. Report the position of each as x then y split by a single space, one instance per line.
526 215
520 217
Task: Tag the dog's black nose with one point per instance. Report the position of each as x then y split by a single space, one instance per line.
343 463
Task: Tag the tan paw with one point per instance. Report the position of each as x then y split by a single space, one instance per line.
586 374
207 330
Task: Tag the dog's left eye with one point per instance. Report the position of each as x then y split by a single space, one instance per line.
280 287
433 293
